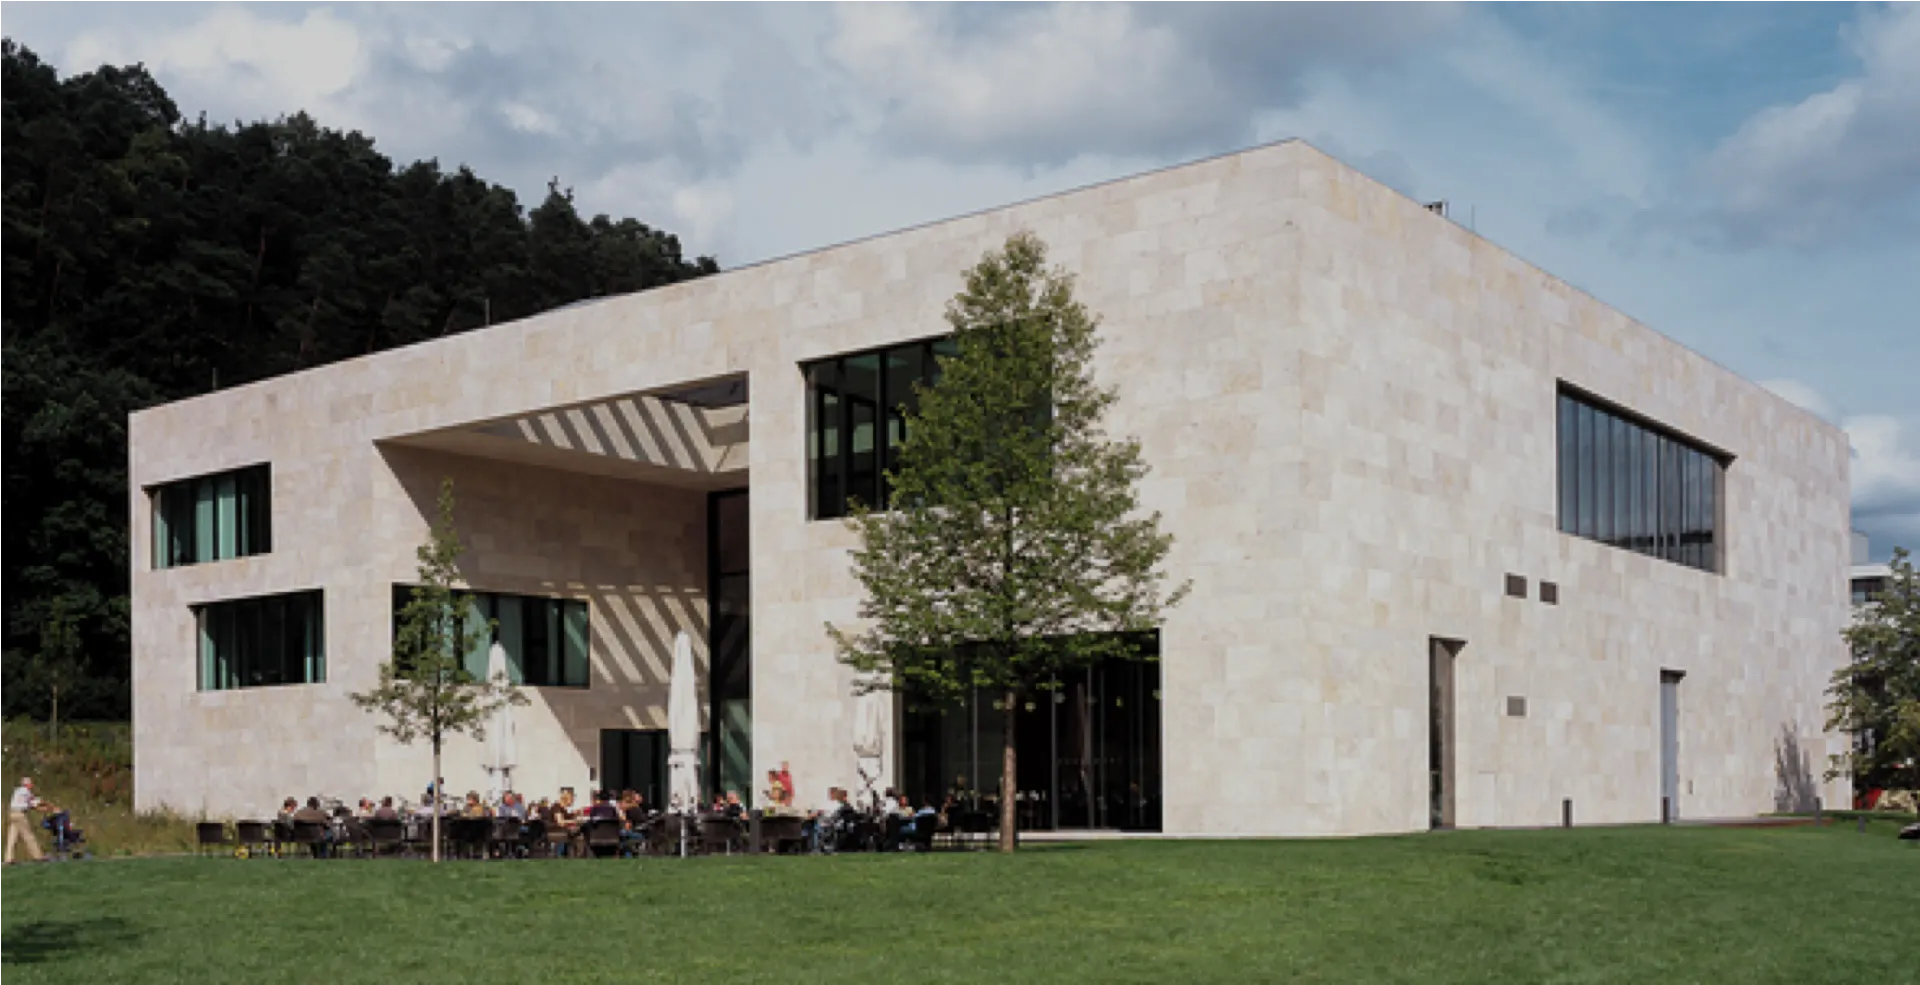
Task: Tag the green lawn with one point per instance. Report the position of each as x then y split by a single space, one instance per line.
1598 905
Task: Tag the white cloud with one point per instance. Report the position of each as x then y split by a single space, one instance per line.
1605 150
1802 396
1801 172
1044 85
263 67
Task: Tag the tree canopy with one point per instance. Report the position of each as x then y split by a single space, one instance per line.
149 258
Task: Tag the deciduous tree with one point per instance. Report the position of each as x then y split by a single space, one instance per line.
425 690
1015 549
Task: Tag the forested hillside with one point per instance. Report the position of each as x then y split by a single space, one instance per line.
150 258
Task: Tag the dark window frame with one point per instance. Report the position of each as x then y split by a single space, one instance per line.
553 648
257 632
173 516
833 463
1675 485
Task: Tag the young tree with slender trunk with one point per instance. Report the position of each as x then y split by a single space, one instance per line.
58 668
1876 697
1015 549
425 690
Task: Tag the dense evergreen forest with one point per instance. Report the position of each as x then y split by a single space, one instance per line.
150 258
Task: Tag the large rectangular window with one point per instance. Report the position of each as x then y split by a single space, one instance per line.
261 642
1631 484
1089 749
546 639
212 517
857 407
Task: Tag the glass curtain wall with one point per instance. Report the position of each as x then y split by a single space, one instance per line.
1089 750
262 642
212 517
635 759
1632 486
857 407
546 639
730 644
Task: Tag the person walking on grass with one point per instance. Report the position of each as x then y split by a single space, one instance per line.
18 827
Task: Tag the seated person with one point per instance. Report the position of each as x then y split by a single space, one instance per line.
633 815
603 809
822 822
312 814
385 811
923 823
779 795
474 808
288 808
733 808
512 807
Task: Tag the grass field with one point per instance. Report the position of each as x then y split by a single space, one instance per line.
1596 905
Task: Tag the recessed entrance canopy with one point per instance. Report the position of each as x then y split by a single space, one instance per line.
692 436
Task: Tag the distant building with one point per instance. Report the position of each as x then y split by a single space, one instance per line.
1867 580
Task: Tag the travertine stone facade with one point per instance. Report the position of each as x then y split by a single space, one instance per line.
1348 405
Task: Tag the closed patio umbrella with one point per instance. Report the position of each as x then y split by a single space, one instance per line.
683 726
503 745
869 729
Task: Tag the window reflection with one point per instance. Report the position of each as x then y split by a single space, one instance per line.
1629 485
858 406
1089 750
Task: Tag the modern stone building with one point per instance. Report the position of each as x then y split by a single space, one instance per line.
1465 543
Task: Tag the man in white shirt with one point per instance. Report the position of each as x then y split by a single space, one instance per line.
18 827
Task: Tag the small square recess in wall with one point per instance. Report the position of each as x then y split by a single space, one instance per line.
1550 593
1516 706
1517 586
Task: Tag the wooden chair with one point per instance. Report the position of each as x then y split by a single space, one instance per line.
212 837
781 834
386 835
467 836
254 838
312 835
533 839
719 834
503 837
601 838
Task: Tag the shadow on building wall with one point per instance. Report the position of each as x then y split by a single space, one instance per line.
1794 785
635 551
641 429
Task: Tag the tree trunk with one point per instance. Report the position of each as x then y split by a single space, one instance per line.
53 718
1009 816
437 792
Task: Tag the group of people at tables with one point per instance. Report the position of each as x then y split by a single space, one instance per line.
565 820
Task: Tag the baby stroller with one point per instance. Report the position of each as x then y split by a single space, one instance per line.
66 837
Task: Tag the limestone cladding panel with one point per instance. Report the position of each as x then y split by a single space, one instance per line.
1348 406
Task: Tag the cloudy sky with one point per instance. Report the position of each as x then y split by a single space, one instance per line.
1744 179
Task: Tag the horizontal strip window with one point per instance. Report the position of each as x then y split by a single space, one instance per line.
262 642
857 407
545 639
213 517
1629 485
